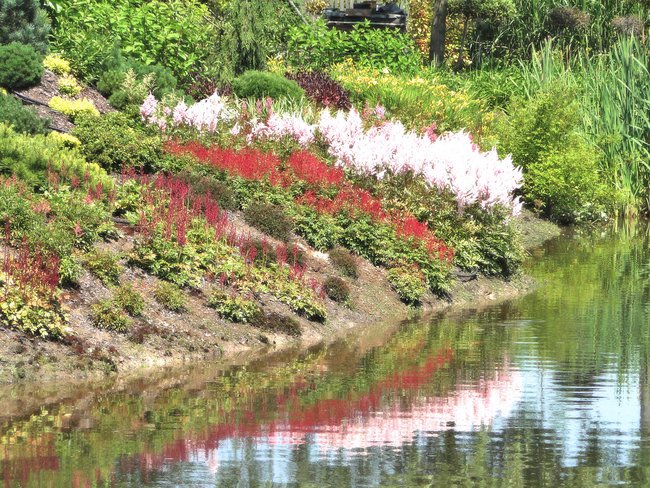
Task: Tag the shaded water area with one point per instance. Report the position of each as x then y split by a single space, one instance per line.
552 389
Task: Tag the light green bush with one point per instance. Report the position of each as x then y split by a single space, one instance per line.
259 85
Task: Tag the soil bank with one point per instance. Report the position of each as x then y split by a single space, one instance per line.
38 371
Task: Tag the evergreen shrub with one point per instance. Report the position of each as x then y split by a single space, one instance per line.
20 66
259 85
22 119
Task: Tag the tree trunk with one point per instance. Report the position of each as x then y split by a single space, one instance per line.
463 39
438 32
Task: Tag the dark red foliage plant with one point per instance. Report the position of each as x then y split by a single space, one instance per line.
322 89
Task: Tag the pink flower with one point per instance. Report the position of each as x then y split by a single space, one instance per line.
148 107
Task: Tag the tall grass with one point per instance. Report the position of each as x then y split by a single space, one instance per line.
527 30
614 93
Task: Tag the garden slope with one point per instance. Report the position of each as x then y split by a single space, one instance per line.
162 338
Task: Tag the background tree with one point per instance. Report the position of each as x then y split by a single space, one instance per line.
438 32
475 11
23 21
253 30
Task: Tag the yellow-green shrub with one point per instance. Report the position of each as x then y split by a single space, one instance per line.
56 64
29 158
73 108
68 86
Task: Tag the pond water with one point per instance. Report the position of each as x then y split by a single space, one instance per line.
552 389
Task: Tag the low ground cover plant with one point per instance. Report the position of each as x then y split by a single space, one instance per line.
170 296
106 314
233 307
74 108
104 265
129 299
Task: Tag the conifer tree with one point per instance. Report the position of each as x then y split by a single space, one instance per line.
23 21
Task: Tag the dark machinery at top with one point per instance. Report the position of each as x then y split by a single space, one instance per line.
388 16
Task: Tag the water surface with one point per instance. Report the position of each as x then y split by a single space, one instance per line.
552 389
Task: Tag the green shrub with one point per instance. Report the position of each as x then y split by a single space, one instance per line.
23 21
269 219
218 190
567 187
317 47
104 266
175 34
170 296
22 119
20 66
321 232
70 271
408 282
233 307
129 299
259 85
561 175
345 262
275 322
337 289
114 142
106 314
123 75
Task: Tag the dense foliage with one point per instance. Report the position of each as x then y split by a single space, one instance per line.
317 47
177 34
